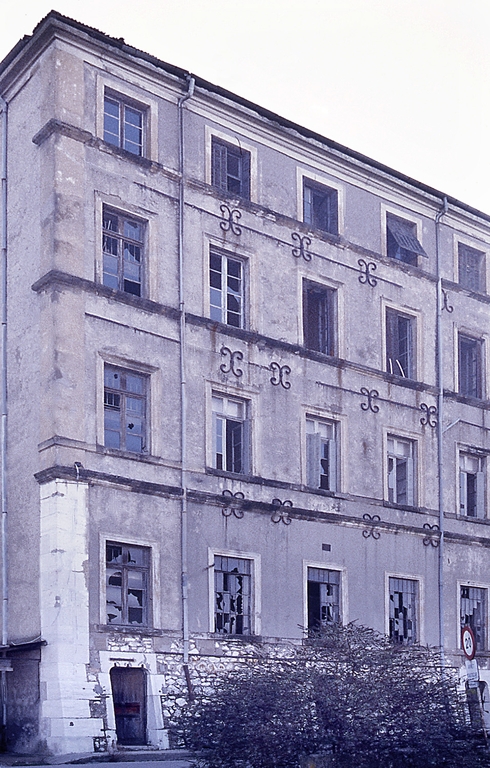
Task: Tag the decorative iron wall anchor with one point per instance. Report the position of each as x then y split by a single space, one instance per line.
230 366
231 217
229 510
430 539
280 372
430 418
371 531
367 269
371 395
446 305
300 251
281 514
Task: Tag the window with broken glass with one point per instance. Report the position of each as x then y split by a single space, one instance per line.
122 246
323 598
127 577
226 289
230 168
233 595
471 268
319 323
123 125
470 366
230 434
403 611
321 454
124 409
473 613
401 240
320 207
400 344
401 482
471 485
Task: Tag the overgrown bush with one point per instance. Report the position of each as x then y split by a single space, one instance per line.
349 693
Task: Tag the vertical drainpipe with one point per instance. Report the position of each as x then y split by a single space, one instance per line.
183 393
3 396
440 407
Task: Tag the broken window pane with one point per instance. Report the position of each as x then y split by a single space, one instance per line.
122 253
403 611
323 598
127 572
473 613
233 592
124 409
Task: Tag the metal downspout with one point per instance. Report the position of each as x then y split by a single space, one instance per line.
183 393
3 395
440 409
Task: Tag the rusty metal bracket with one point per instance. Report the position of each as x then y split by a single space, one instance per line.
228 510
430 539
430 418
371 395
280 513
300 251
371 531
367 268
280 372
231 217
229 366
446 305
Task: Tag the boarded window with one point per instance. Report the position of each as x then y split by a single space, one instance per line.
403 610
233 595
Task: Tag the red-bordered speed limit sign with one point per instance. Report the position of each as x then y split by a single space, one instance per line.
468 641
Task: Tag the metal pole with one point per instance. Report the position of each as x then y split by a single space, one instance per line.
3 397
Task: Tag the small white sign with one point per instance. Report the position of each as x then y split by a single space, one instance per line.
472 672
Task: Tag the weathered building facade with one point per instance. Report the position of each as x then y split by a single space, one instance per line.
247 377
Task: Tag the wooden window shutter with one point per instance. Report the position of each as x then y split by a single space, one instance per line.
218 165
480 494
313 453
245 191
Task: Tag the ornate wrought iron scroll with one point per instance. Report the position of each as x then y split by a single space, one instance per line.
371 395
300 251
446 305
280 513
230 366
371 531
280 372
367 269
430 417
228 510
231 217
430 539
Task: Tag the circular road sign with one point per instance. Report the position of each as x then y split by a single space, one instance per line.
469 642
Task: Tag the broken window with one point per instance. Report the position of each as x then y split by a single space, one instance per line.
319 310
321 454
470 366
122 246
123 125
473 613
320 207
471 268
403 610
471 485
323 598
226 283
127 572
233 595
230 168
400 344
230 434
401 240
401 484
124 409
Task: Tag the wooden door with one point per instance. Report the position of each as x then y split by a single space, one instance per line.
129 695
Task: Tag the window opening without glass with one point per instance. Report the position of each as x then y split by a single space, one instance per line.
230 434
400 344
233 595
401 471
402 243
321 454
230 168
122 245
320 207
323 598
469 366
473 613
319 309
123 125
124 409
471 485
226 289
127 571
403 611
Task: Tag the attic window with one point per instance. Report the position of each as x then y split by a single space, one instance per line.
402 242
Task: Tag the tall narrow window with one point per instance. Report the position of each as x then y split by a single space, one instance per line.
401 484
320 207
226 289
471 268
319 309
122 245
473 613
230 434
127 572
400 344
321 454
124 409
123 125
470 366
471 485
230 168
323 598
233 595
402 243
403 611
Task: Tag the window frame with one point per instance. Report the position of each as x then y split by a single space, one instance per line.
245 439
125 103
329 197
391 579
223 153
463 251
320 622
123 218
225 278
477 504
463 585
478 391
411 471
404 232
325 332
133 96
124 394
145 568
393 363
255 591
315 447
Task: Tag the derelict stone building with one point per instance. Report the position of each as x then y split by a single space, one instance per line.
246 384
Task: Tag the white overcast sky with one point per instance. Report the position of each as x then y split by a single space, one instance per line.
405 82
